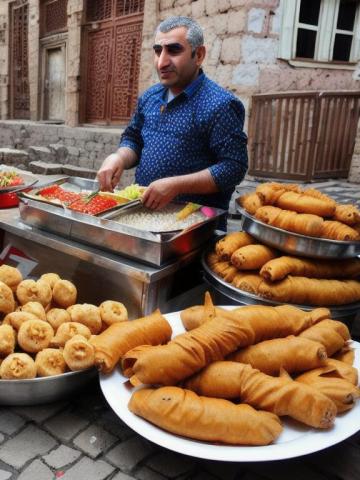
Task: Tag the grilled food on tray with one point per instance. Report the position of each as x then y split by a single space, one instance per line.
10 179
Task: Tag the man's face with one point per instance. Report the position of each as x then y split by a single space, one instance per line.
174 62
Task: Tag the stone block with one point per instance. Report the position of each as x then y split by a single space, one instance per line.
89 470
76 171
230 50
60 151
37 470
236 21
94 440
13 157
61 456
127 455
197 8
259 50
246 74
65 425
211 7
43 168
256 19
221 23
10 422
275 22
42 154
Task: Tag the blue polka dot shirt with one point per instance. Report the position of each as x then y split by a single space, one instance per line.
200 128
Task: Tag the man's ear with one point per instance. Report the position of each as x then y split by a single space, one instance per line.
200 55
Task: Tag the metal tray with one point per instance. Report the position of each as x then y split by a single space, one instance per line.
151 248
29 180
240 297
295 243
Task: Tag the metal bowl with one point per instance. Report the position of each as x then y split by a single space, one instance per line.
295 243
40 390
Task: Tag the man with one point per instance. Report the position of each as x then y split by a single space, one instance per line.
186 136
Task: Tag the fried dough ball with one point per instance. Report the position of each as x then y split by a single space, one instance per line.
35 308
35 335
112 312
7 340
64 293
16 319
57 316
11 276
34 291
50 278
17 366
7 301
50 361
68 330
86 314
79 353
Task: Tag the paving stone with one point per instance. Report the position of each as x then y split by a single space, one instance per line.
87 469
129 453
39 413
13 157
146 474
36 470
61 456
10 422
120 476
114 425
4 474
29 443
66 425
94 440
171 464
2 438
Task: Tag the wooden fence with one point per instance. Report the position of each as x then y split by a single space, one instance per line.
303 135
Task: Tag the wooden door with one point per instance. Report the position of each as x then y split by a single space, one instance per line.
55 84
19 95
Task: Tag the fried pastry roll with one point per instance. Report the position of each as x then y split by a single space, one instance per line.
195 316
338 231
249 282
269 192
120 337
182 412
64 293
312 192
330 333
7 301
327 381
252 257
35 335
280 267
111 312
301 203
348 214
17 366
57 316
86 314
78 353
36 308
34 291
250 202
213 340
276 395
50 361
10 276
7 340
227 245
68 330
212 258
16 319
225 270
346 371
346 355
294 354
302 223
311 291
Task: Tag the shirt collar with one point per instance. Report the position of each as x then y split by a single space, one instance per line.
191 89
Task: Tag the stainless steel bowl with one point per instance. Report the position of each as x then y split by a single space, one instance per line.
40 390
295 243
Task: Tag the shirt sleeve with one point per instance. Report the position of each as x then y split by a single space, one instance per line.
228 144
132 137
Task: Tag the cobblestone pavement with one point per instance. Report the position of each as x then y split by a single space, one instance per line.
82 439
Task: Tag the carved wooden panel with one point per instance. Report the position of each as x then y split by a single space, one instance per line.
53 16
128 7
97 10
19 67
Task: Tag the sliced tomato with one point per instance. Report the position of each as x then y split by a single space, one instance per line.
94 206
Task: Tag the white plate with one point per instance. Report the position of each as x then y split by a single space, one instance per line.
295 440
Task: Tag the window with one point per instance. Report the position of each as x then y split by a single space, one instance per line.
321 31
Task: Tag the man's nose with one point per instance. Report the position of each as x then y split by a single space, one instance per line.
163 59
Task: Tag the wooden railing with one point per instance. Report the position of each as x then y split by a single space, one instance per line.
303 135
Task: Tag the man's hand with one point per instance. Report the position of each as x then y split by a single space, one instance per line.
110 172
159 193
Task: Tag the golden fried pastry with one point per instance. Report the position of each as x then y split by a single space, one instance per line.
35 335
301 203
252 257
302 223
344 370
227 245
338 231
64 293
280 267
330 333
111 312
16 319
35 308
17 366
86 314
50 361
346 355
7 340
184 413
11 276
280 396
249 282
57 316
312 192
269 192
250 202
34 291
7 301
50 278
68 330
294 354
348 214
79 353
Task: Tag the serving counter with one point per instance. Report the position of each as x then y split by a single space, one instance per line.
102 275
